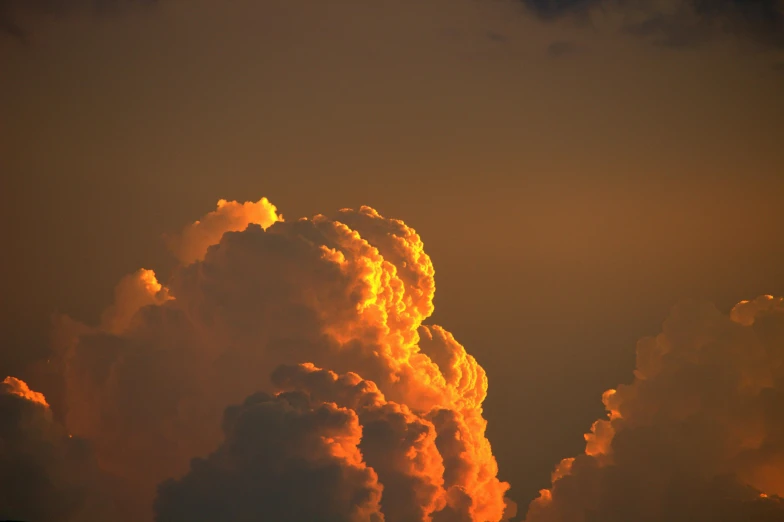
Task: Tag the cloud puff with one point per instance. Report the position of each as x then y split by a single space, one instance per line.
45 474
230 216
149 385
282 459
698 435
424 462
396 442
132 293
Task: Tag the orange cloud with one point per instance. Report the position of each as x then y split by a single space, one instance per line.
348 293
697 435
230 216
132 293
14 386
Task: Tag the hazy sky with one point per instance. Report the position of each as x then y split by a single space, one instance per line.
574 169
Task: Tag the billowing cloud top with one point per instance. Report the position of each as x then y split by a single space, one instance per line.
697 436
230 216
391 428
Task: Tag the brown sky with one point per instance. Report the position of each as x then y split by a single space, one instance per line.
567 201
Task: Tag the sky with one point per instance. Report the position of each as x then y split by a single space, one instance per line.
575 170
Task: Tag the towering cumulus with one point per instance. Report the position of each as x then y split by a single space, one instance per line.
697 436
284 369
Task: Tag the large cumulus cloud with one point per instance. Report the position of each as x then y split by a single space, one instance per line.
697 436
348 293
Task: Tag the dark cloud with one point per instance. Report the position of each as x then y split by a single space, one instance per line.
341 430
669 31
45 474
8 25
398 444
552 9
282 459
697 436
12 12
685 23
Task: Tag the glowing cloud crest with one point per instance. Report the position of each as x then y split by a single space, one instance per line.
697 436
19 388
230 216
391 428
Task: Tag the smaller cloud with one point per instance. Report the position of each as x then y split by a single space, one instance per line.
697 435
45 474
132 293
19 388
230 216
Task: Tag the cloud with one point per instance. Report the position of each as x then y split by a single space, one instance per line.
132 293
287 369
682 23
230 216
282 459
424 462
669 31
149 385
698 435
399 444
12 10
45 475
